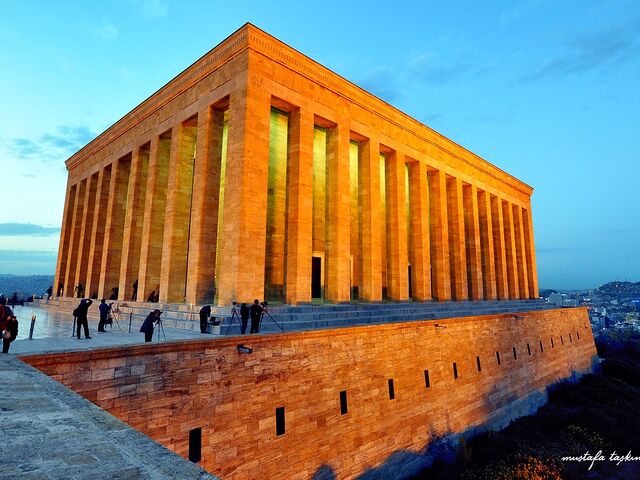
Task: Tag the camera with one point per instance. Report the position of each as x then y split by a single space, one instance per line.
235 303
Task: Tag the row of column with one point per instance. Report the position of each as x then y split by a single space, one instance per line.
184 214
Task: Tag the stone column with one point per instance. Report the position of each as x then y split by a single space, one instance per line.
523 277
419 221
97 238
173 272
500 257
86 233
204 215
133 222
299 208
153 217
486 242
338 235
243 242
370 236
457 248
474 244
510 248
65 234
397 254
439 236
530 253
74 240
114 228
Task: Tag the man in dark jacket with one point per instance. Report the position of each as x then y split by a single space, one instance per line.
147 325
205 313
81 315
244 317
255 312
104 308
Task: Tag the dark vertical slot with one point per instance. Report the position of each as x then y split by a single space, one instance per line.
279 421
195 445
561 340
478 363
455 370
515 355
529 348
343 402
392 393
552 345
427 382
541 347
570 339
578 334
498 357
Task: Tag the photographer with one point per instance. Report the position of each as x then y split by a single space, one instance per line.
255 311
205 313
147 325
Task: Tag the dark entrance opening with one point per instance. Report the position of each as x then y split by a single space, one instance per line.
410 285
195 445
316 277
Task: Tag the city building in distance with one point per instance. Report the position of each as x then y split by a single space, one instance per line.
258 173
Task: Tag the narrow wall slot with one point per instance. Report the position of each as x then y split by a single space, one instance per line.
195 445
280 421
343 402
392 393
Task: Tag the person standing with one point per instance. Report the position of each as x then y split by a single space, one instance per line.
205 313
147 325
134 297
8 325
255 312
49 292
104 308
9 331
244 317
81 317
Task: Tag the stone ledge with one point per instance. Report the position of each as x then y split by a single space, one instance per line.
51 432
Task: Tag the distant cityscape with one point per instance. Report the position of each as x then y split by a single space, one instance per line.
613 305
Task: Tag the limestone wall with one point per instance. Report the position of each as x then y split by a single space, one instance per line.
165 390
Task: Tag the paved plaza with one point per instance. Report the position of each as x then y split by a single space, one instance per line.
53 333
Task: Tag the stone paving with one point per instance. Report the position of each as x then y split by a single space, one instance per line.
50 432
53 333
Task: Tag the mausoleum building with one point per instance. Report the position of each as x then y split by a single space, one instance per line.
259 173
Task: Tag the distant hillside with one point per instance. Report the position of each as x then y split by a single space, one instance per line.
620 289
25 284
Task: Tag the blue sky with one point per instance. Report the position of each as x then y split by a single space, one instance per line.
546 90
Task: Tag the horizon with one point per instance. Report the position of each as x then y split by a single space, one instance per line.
505 81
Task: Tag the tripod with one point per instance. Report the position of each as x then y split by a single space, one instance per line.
234 314
159 322
115 311
265 311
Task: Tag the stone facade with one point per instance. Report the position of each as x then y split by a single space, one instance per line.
352 399
258 173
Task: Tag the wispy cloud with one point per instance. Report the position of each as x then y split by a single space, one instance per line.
382 84
106 31
21 229
56 146
151 8
588 51
429 69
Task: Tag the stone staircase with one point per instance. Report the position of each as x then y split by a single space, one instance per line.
303 317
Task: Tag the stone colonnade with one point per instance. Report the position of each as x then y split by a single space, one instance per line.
238 200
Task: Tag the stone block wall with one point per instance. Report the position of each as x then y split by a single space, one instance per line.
444 376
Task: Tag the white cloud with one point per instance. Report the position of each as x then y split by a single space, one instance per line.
107 31
151 8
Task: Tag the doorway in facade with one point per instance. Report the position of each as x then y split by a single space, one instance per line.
316 278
